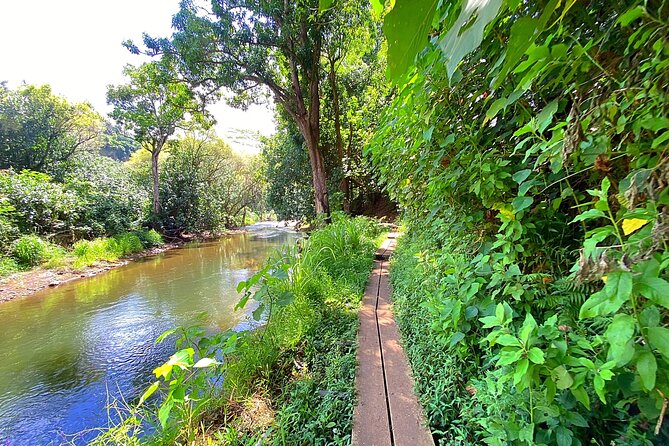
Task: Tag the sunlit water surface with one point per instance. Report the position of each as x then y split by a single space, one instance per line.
65 352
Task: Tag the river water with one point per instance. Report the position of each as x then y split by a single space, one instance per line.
65 352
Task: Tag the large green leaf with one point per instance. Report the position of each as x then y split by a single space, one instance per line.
659 339
616 292
406 27
325 4
467 31
654 289
377 6
646 366
523 33
619 334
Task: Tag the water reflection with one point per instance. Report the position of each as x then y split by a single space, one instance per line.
64 351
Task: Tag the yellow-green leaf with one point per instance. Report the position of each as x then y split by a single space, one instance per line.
152 388
631 225
164 370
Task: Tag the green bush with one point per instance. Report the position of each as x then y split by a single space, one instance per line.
56 256
8 266
30 250
527 172
40 205
127 244
88 252
149 238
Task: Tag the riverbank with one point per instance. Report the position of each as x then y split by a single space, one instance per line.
26 283
289 382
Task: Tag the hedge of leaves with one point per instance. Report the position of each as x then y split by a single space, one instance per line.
528 143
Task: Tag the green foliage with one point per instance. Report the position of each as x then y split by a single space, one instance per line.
205 186
301 359
95 196
89 252
406 27
41 205
8 266
29 250
286 167
38 129
531 165
114 201
116 145
153 104
149 238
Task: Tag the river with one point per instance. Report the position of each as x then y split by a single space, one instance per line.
65 352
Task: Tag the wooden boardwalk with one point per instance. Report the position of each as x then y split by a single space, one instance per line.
388 412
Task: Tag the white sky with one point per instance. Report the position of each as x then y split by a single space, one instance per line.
75 45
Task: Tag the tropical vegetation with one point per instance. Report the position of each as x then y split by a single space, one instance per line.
523 143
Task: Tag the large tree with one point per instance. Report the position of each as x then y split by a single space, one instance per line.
245 44
39 129
153 105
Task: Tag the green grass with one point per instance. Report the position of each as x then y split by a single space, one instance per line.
8 266
89 252
31 251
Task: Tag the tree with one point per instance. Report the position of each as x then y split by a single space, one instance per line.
39 129
348 38
153 105
117 145
205 186
245 44
286 168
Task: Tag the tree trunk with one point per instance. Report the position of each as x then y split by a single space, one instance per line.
339 144
154 173
318 175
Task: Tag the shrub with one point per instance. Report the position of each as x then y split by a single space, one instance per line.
30 250
8 266
127 244
149 238
40 205
56 256
88 252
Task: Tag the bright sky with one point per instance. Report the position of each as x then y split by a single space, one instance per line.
75 45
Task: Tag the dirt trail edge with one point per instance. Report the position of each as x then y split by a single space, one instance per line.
388 412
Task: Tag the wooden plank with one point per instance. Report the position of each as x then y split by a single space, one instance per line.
406 413
388 412
371 426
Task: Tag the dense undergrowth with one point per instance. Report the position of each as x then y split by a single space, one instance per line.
527 148
289 382
30 251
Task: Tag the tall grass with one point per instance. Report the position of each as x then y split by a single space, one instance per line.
88 252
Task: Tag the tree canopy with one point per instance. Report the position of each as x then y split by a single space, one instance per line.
243 45
153 105
39 129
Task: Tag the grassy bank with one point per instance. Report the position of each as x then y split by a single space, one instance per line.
31 251
289 382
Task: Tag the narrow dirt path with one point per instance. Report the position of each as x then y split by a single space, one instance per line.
388 412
